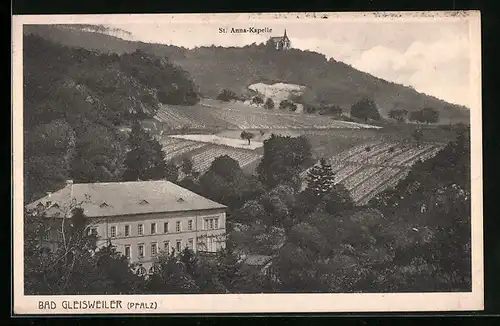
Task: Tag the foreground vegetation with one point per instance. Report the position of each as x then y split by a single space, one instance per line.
415 237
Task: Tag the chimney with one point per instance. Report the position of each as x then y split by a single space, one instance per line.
70 183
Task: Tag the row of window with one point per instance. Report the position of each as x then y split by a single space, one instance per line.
154 248
209 224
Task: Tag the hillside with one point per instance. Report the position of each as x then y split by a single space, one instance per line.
74 99
328 82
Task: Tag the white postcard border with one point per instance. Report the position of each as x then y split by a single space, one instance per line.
253 303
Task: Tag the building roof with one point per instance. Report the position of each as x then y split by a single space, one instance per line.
125 198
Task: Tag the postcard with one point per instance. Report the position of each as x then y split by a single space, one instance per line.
247 163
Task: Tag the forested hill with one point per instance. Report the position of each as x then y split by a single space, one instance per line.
329 82
74 99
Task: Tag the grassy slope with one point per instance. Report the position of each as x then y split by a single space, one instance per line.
216 68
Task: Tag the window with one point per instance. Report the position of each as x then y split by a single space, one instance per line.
154 249
139 229
141 271
151 270
178 246
190 244
166 246
93 231
153 228
127 252
190 225
211 223
127 230
178 226
46 235
113 231
141 251
210 244
165 227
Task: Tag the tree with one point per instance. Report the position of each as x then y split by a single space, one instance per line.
338 200
269 105
61 258
145 160
170 275
418 135
171 172
226 95
283 158
247 135
257 100
251 211
320 179
322 190
187 166
296 272
287 105
398 114
426 115
333 110
225 182
307 236
278 204
365 109
226 167
430 115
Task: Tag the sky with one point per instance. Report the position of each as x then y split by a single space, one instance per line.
431 56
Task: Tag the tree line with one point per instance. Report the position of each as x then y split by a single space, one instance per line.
76 100
365 109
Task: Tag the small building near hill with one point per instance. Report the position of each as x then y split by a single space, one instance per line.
281 42
141 219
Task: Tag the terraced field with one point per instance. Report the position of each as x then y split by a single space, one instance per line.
366 173
215 114
202 160
174 147
203 153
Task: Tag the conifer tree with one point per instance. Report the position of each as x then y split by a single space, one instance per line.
321 190
320 179
145 159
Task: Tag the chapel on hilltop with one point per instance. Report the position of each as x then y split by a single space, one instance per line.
281 42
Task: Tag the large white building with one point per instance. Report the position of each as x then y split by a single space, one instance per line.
141 218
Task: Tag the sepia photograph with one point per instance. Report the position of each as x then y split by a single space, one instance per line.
278 162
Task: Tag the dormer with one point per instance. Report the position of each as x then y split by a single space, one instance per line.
180 200
143 202
104 205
